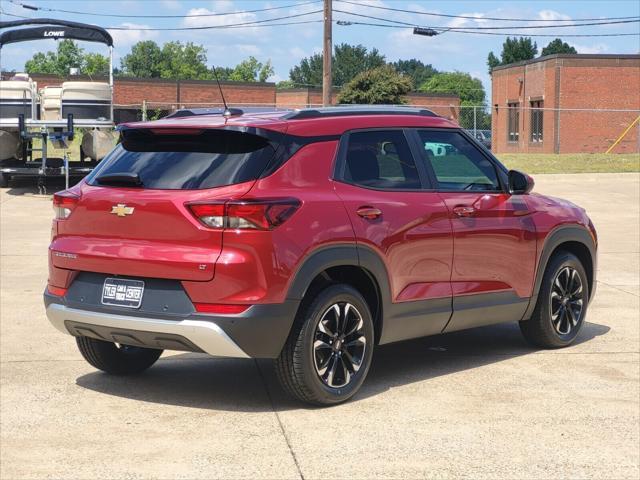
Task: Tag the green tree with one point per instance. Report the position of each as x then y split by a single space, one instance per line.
492 61
251 70
381 85
95 65
68 55
308 73
514 50
418 71
144 60
469 89
282 84
184 61
266 71
348 61
177 60
223 73
42 63
557 46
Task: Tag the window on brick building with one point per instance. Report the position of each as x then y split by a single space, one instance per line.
536 121
513 126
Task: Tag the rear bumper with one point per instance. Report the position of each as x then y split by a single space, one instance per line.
147 332
259 332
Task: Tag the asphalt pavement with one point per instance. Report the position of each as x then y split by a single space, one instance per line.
473 404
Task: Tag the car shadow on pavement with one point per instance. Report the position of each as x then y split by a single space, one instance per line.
201 381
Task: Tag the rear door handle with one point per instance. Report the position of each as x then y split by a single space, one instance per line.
370 213
463 211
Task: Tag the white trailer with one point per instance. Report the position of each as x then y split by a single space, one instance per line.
53 112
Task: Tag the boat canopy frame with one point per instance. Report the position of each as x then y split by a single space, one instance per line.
58 130
51 28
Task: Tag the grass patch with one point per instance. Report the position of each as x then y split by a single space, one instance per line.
572 162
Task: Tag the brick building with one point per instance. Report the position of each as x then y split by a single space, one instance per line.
161 95
566 104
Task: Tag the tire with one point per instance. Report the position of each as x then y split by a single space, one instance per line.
304 367
114 359
4 180
557 320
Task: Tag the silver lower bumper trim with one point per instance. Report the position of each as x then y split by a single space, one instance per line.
208 336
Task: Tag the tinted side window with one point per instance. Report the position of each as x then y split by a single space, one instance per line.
457 164
381 159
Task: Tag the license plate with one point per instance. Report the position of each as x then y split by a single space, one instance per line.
122 292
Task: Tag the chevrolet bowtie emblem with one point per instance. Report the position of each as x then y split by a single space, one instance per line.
121 210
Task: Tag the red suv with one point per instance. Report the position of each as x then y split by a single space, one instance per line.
309 237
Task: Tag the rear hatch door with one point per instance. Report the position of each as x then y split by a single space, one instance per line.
132 218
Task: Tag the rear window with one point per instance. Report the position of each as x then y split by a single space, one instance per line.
206 159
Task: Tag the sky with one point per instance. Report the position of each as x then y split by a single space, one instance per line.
285 46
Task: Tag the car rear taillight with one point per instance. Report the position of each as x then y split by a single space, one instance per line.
57 291
258 214
220 308
63 204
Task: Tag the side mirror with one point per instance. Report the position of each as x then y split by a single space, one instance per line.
520 183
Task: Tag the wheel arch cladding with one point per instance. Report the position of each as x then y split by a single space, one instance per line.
574 239
350 264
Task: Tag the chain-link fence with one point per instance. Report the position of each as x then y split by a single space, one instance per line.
475 117
533 128
511 128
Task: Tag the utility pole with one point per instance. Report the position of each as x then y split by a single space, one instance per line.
327 54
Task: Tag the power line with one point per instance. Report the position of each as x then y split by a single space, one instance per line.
12 15
475 32
116 15
277 21
493 28
470 17
385 25
253 23
303 22
550 35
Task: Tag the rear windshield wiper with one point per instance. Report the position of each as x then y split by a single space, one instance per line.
124 179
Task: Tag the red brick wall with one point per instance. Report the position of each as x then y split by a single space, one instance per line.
236 93
192 93
44 80
447 106
568 85
134 92
315 97
302 97
609 86
168 93
292 98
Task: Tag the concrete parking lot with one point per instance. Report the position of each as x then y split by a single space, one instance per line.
474 404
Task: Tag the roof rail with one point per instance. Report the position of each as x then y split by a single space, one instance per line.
345 111
190 112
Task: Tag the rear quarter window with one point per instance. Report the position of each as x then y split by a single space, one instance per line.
380 159
206 159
